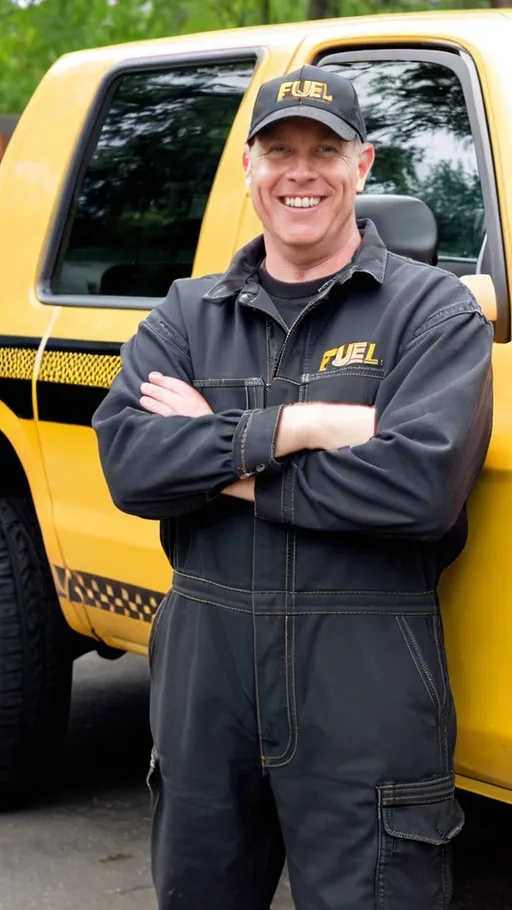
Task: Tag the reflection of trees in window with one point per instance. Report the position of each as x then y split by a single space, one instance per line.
416 115
148 182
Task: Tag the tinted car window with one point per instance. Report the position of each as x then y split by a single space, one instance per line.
135 222
417 118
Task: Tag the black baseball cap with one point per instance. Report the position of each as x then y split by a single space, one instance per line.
314 93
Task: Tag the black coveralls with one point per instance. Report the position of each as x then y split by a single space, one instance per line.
299 682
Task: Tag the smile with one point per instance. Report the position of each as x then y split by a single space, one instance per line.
301 202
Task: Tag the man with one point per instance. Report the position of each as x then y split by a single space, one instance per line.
307 427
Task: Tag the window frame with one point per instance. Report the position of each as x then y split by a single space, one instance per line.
458 60
81 159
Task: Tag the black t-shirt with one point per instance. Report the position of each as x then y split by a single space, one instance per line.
290 298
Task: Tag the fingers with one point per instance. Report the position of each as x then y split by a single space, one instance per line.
169 382
159 393
183 399
156 407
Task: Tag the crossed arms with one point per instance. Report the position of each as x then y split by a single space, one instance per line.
316 466
301 426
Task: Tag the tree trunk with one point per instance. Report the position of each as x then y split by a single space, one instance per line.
501 4
324 9
265 12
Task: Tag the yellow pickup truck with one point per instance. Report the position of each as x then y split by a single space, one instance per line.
123 174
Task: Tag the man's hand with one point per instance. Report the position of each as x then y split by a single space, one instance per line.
316 425
321 425
171 397
242 489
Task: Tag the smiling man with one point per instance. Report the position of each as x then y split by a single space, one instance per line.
307 427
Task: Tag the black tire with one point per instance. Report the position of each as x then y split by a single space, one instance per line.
36 662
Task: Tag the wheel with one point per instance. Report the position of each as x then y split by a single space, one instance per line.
36 660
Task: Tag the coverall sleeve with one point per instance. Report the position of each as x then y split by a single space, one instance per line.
160 467
434 416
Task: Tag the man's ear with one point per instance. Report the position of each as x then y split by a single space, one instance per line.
366 159
246 162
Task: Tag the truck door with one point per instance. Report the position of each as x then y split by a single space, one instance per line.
131 226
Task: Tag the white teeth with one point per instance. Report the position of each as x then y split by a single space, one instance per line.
302 202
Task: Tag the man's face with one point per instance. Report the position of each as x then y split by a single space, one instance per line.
303 180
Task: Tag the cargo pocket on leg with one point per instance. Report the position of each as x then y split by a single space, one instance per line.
416 821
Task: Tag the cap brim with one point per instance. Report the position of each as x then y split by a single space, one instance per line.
336 124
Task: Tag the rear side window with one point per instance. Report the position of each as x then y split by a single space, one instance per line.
135 220
417 118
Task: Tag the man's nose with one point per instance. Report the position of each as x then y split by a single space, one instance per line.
301 169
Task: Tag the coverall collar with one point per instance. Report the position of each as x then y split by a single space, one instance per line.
370 258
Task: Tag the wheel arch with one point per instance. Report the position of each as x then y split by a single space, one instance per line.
23 475
13 477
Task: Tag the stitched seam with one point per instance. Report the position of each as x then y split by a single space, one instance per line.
441 661
283 590
271 758
154 626
443 709
214 603
380 869
440 784
274 436
255 657
455 309
294 562
294 711
268 349
242 444
287 489
406 801
290 712
416 837
273 613
376 373
286 567
166 333
285 379
227 383
419 661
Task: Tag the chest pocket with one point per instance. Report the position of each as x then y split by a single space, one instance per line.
232 394
346 385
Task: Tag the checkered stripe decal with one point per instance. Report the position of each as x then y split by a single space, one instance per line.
107 594
72 368
17 363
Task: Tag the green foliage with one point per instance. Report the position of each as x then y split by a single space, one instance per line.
33 33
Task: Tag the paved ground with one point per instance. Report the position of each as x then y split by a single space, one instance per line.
86 846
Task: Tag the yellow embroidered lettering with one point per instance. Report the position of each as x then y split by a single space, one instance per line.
284 89
369 356
326 358
343 356
358 351
301 89
305 89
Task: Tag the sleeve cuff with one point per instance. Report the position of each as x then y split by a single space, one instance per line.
254 442
273 496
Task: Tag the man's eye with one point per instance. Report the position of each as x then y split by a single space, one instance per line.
327 149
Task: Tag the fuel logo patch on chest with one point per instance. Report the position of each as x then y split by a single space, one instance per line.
351 352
